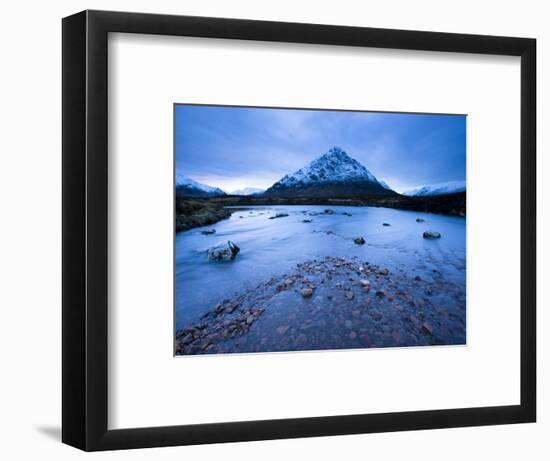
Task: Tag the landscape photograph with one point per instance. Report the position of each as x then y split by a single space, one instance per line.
314 229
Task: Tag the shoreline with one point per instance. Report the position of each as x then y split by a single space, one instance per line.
197 212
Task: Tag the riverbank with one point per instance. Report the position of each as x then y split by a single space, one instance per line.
191 213
194 212
332 303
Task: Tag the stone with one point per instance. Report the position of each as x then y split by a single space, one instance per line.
417 278
386 224
282 329
306 292
359 240
384 272
279 215
375 315
307 220
427 329
223 252
348 295
352 335
420 220
431 235
208 232
348 324
380 293
187 339
328 211
364 283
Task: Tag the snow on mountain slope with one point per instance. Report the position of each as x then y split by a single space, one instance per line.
188 186
334 173
438 189
335 165
247 191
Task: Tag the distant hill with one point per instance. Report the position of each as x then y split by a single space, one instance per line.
451 187
187 187
247 191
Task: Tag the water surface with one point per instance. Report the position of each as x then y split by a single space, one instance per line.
273 247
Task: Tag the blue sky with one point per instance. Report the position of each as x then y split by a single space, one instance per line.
236 147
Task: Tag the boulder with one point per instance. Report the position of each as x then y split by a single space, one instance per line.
359 240
279 215
431 235
223 252
328 211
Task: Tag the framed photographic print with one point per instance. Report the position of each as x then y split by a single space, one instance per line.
276 230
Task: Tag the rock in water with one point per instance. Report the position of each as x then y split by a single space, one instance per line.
420 219
279 215
223 252
432 235
208 232
386 224
359 240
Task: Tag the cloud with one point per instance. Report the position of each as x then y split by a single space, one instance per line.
233 147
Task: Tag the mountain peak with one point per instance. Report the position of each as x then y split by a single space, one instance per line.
334 171
336 152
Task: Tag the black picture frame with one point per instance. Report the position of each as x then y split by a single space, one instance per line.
85 224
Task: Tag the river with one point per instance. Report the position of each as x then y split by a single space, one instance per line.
273 247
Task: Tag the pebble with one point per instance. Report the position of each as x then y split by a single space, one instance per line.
348 295
282 329
306 292
375 315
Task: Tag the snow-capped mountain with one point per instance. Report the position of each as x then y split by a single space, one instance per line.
443 188
384 184
187 187
247 191
331 175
